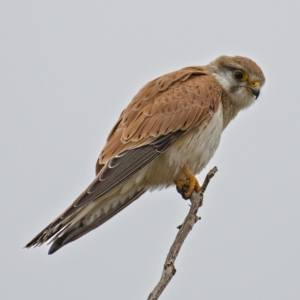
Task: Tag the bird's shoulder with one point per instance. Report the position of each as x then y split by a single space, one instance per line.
175 101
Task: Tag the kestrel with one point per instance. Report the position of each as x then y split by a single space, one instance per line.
171 127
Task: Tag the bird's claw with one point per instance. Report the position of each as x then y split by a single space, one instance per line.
186 186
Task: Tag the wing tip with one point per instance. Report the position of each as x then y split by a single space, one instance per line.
54 247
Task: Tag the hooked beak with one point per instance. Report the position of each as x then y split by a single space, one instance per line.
254 88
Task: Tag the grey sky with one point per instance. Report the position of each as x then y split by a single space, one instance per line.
68 68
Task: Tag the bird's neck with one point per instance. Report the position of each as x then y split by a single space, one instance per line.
229 110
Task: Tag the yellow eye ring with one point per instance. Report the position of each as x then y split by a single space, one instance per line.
240 75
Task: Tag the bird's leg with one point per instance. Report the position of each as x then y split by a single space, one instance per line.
186 186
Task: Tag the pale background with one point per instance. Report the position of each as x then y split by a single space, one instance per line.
68 68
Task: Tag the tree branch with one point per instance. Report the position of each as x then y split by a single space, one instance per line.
184 229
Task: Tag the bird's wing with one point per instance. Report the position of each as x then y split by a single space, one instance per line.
161 112
176 101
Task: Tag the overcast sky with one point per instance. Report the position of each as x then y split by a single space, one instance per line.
68 68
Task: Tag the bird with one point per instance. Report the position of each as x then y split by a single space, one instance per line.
167 134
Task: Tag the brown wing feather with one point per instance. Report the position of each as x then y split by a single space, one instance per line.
176 101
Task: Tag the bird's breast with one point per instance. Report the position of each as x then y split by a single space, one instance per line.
194 150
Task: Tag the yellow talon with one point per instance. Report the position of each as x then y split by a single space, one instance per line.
188 185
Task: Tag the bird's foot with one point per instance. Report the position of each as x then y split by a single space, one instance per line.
186 186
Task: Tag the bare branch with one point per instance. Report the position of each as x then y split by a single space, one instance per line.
184 229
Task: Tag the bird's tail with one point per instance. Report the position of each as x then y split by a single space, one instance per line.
84 220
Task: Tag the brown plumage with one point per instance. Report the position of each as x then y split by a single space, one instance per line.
155 135
175 101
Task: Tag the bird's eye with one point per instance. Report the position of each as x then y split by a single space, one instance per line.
240 75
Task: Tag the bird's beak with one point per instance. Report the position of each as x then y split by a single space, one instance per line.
254 88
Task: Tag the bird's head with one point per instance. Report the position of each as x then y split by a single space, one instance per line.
240 77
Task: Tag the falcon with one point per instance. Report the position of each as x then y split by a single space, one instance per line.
168 132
